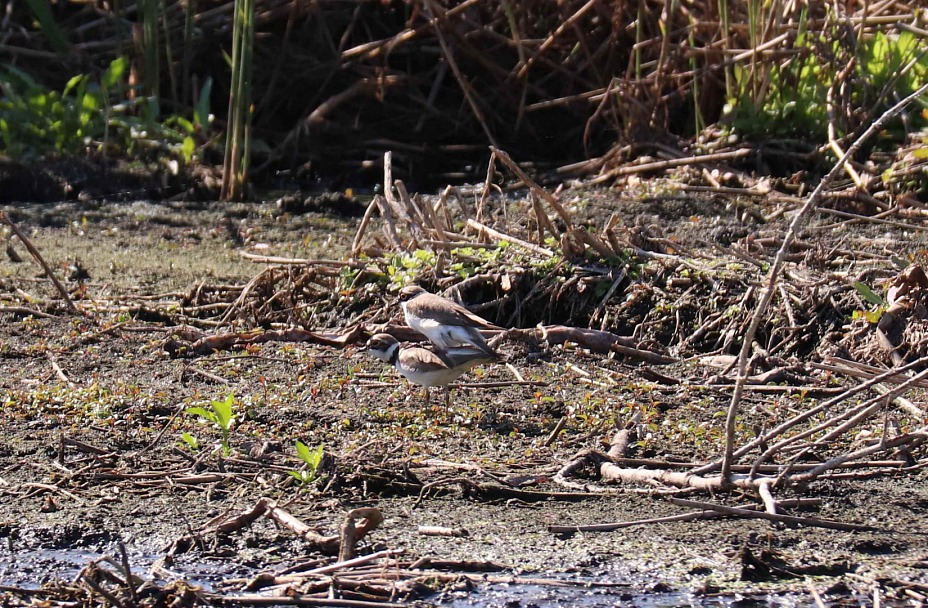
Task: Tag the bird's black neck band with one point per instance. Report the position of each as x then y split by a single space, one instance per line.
395 355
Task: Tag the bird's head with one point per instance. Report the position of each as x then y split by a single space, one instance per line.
410 291
382 346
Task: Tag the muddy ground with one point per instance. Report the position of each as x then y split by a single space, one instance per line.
93 410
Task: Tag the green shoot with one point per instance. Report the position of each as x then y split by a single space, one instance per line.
221 415
190 441
312 459
871 316
868 294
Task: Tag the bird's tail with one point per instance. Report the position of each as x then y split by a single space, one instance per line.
480 343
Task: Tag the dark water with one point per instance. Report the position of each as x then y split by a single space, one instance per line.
546 596
33 568
535 596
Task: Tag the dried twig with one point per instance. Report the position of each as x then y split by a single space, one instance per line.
777 267
788 519
6 219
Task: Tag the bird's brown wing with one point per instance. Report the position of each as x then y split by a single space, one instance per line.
448 312
465 355
421 360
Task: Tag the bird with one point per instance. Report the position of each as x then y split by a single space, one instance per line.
425 367
446 324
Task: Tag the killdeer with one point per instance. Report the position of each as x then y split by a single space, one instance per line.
424 367
445 323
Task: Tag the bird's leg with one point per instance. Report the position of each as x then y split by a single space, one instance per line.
447 398
427 394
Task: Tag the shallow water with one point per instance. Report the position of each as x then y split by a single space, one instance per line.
31 569
539 596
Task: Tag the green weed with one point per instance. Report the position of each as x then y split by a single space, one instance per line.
872 316
192 443
888 66
221 414
93 116
312 459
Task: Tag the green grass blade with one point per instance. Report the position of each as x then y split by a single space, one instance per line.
42 10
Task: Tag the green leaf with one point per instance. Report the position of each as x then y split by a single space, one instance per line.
871 316
920 153
188 148
877 55
114 73
223 410
302 451
91 101
190 441
183 123
22 79
311 457
201 112
202 413
42 10
74 83
316 457
868 294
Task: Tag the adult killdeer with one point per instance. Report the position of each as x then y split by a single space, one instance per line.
424 367
445 323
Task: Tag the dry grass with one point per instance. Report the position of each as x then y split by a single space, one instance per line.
601 81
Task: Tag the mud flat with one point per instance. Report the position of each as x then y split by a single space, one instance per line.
100 451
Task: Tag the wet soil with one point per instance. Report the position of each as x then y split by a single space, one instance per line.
93 410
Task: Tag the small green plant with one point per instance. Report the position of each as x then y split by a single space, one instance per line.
312 458
404 267
872 316
94 115
887 67
220 414
190 441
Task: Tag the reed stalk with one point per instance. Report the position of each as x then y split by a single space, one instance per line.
238 129
726 45
150 45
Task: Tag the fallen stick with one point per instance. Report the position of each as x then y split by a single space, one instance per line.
916 438
5 219
552 436
58 371
534 187
502 236
176 347
217 599
514 580
22 310
810 413
851 418
359 235
456 565
442 531
272 259
678 479
598 341
52 488
787 519
670 164
351 563
770 503
862 371
637 522
499 384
